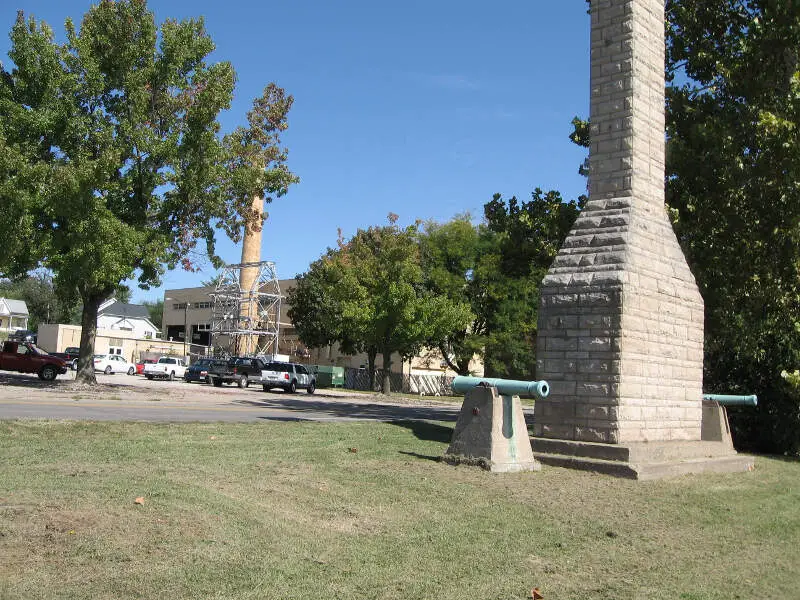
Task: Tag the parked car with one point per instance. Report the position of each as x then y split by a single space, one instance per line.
167 367
287 376
198 371
26 357
69 356
239 369
140 365
113 363
23 335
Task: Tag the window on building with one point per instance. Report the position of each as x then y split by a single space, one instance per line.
201 305
115 345
179 306
203 327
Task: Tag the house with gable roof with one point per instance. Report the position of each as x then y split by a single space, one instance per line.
133 318
13 315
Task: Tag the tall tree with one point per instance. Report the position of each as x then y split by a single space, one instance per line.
44 305
528 236
111 160
122 293
450 253
155 308
368 295
733 169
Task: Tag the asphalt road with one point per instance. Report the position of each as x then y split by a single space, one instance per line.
123 398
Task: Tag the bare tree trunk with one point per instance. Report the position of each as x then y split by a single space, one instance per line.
91 305
460 365
386 386
371 354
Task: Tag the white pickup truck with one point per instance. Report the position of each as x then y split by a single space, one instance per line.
167 367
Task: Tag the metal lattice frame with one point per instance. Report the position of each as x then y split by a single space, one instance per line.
246 322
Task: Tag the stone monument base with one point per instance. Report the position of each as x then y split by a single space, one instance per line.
642 460
491 433
714 453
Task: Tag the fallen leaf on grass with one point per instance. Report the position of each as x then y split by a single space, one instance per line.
536 594
139 500
353 450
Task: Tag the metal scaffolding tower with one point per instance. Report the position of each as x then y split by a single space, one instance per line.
246 321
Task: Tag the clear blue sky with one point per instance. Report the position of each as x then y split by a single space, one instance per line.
421 108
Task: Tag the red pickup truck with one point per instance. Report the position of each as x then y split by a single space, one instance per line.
26 357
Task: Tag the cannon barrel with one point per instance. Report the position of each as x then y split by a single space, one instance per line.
732 400
507 387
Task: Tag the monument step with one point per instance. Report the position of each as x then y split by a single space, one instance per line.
634 452
645 460
598 465
736 463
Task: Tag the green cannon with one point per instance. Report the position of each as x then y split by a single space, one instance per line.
732 400
506 387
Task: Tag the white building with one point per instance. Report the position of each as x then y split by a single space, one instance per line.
133 318
13 315
123 329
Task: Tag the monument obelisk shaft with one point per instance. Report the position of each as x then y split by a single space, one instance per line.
621 320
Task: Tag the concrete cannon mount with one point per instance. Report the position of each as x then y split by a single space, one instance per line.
620 331
491 433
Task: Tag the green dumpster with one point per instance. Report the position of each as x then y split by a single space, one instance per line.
330 376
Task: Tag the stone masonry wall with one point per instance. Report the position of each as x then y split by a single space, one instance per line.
621 319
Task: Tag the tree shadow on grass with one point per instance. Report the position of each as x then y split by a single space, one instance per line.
425 430
422 456
779 457
313 407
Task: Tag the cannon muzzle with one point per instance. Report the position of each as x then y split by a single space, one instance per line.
506 387
729 400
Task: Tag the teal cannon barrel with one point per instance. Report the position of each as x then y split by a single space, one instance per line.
729 400
506 387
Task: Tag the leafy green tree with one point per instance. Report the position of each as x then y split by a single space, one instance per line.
733 165
496 268
44 305
122 294
450 253
111 161
369 296
528 236
156 310
316 309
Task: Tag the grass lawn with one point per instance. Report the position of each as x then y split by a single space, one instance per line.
344 511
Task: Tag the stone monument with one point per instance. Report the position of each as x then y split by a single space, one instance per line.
621 319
